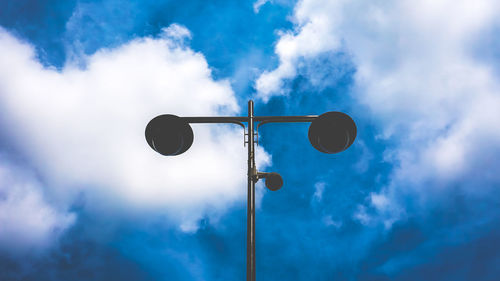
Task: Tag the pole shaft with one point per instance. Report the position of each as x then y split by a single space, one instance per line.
252 171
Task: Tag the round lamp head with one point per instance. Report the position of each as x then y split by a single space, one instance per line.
169 135
332 132
274 181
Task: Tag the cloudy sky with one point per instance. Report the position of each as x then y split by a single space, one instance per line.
83 197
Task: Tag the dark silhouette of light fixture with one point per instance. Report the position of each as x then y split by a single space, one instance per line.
169 135
273 180
331 132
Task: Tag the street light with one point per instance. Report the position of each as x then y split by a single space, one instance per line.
331 132
169 134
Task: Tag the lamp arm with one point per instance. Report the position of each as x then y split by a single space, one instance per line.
284 119
217 119
261 119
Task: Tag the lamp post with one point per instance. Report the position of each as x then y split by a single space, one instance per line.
331 132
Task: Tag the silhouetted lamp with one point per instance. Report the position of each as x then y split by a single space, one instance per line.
169 135
273 180
332 132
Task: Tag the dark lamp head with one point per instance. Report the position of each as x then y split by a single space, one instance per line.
274 181
169 135
332 132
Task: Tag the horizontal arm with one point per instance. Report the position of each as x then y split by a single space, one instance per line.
262 119
217 119
284 119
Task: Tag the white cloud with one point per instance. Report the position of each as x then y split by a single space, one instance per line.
259 3
312 36
83 129
328 221
28 222
362 216
176 32
319 188
417 73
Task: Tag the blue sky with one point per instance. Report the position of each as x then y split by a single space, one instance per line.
83 197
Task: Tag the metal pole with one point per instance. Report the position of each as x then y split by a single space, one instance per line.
252 173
